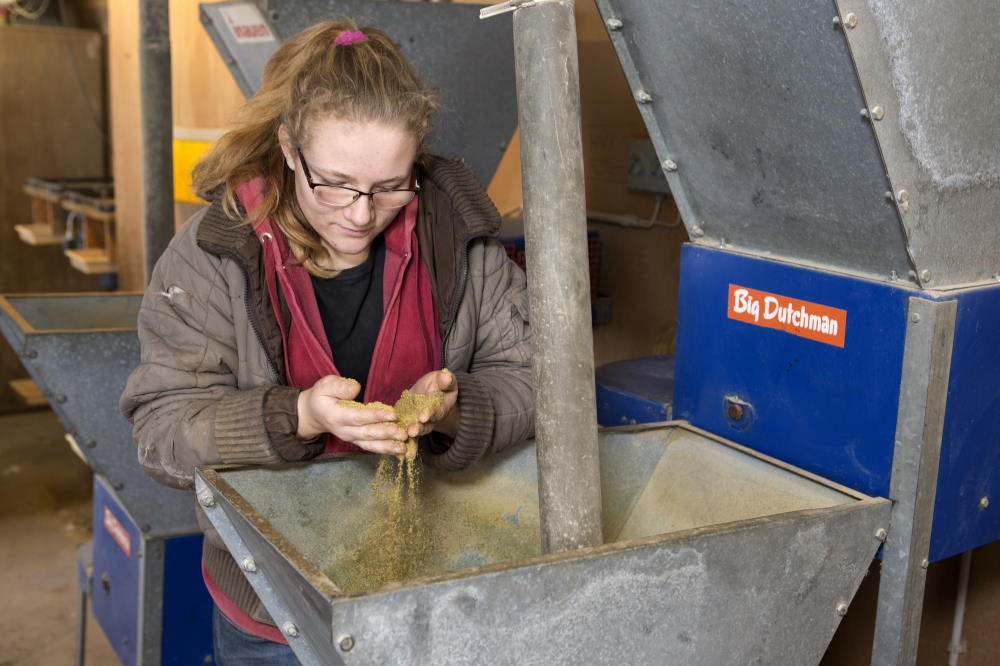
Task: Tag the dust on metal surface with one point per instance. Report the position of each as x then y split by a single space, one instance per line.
934 68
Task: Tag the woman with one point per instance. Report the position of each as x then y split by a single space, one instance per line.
336 261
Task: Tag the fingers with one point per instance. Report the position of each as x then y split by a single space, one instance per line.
384 447
342 388
445 380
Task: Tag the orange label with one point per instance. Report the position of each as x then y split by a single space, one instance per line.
802 318
117 532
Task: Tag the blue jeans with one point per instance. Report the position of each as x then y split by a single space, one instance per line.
235 647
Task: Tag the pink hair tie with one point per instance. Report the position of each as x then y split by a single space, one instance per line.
348 37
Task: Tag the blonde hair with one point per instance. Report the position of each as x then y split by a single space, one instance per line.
310 76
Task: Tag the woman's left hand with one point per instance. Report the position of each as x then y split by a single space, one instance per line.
444 417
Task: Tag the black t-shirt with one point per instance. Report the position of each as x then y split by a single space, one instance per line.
350 305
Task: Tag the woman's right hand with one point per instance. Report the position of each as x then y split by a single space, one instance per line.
320 412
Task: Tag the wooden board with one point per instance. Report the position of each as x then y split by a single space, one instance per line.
51 84
29 393
91 261
37 234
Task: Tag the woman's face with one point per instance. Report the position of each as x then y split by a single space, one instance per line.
367 156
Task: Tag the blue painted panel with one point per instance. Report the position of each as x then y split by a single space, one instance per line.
117 573
187 606
970 448
637 390
827 409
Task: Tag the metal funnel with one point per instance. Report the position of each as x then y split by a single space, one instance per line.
865 142
714 554
80 349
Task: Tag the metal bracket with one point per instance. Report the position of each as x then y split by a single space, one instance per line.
509 6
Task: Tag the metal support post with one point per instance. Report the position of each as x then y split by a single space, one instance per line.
548 99
923 396
157 130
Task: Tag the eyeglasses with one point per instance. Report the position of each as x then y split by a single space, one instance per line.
340 196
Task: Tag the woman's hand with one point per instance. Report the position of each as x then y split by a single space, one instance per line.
444 417
320 412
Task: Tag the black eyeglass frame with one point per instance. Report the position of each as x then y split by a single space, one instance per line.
357 193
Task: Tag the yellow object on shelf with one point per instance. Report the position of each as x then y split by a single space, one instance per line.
190 145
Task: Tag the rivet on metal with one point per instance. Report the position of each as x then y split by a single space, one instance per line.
878 113
90 443
836 20
290 630
346 642
248 565
893 276
614 24
146 527
669 165
915 317
643 97
30 353
881 534
851 20
864 113
924 563
984 502
118 485
697 231
842 609
890 196
206 499
61 398
925 275
902 196
996 276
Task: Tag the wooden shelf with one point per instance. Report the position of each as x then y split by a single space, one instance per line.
27 390
38 234
92 261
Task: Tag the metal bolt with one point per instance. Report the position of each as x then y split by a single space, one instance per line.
346 642
61 399
697 231
90 443
274 14
915 317
146 527
207 499
118 485
925 275
924 563
669 165
30 353
890 196
643 97
841 609
893 276
996 276
864 113
615 24
881 534
290 630
984 502
878 113
851 20
248 564
735 411
902 197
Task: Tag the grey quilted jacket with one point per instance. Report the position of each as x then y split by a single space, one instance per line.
209 388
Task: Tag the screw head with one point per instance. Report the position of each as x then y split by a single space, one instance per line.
669 165
984 502
118 485
61 399
924 563
881 534
851 20
841 609
346 642
206 499
925 275
248 564
697 231
290 630
614 24
31 353
90 443
643 97
877 113
915 317
735 411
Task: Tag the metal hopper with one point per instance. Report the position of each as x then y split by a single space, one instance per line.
713 554
79 349
855 142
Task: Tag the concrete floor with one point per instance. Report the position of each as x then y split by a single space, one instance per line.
44 515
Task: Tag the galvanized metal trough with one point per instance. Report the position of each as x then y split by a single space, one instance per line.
80 349
713 554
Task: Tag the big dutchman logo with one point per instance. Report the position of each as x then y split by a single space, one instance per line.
802 318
